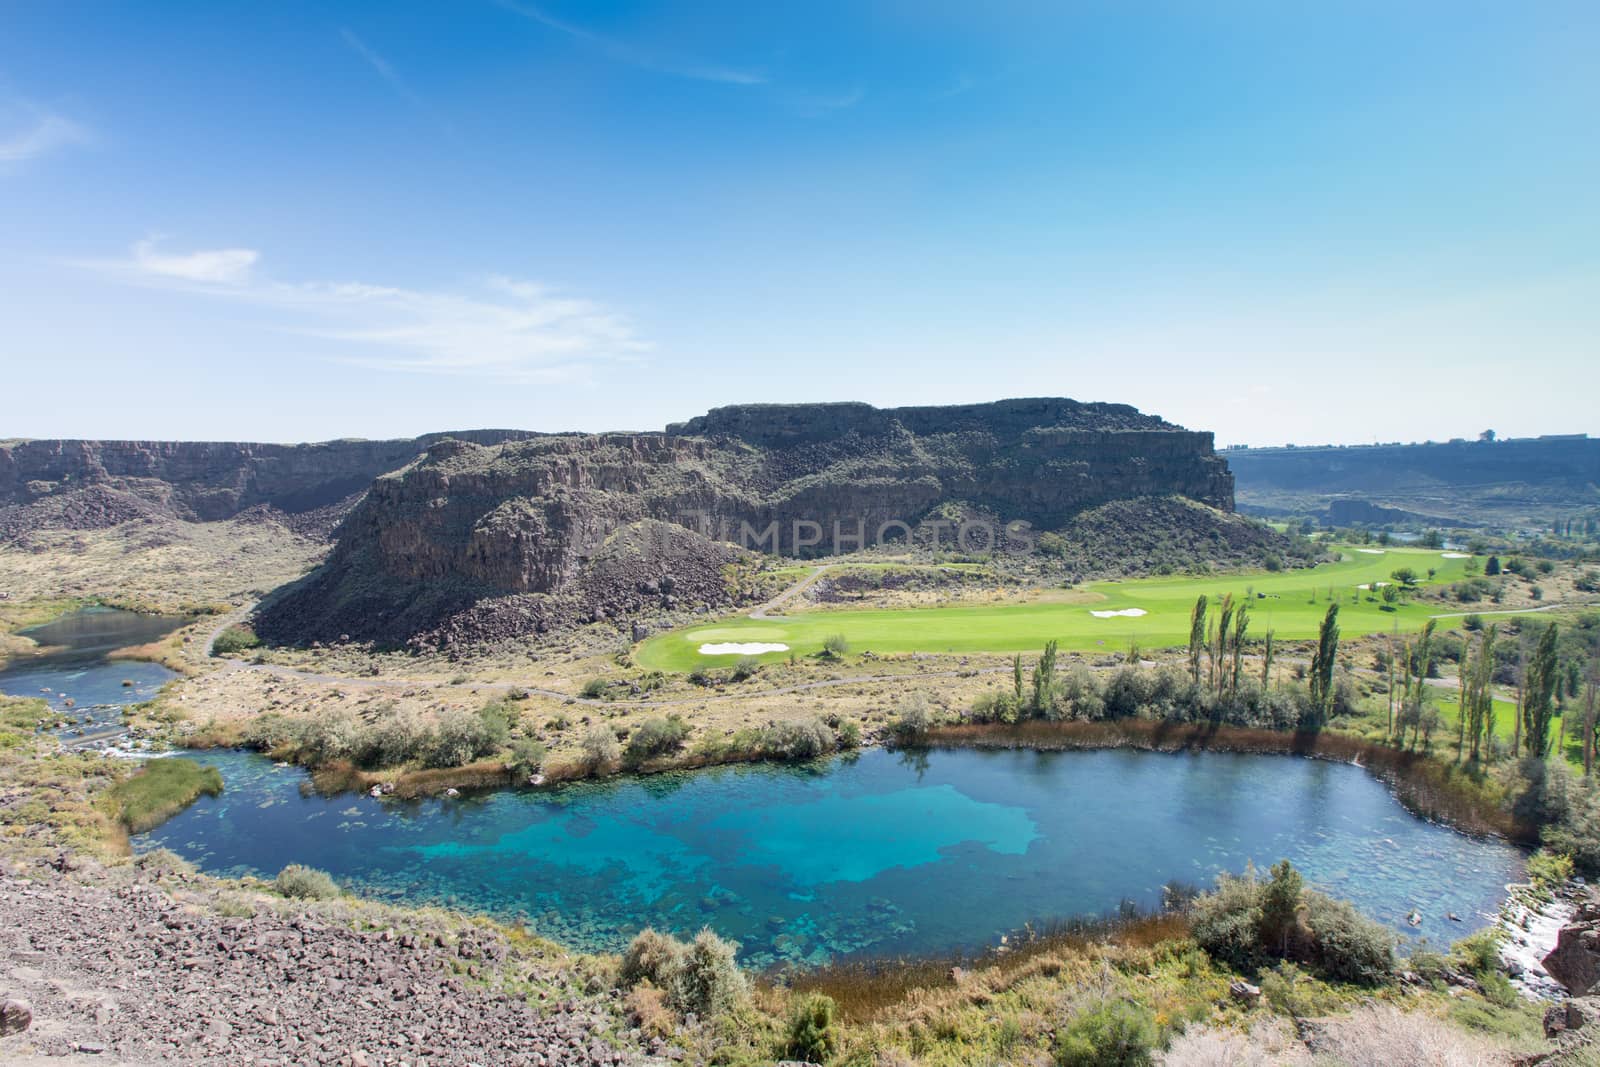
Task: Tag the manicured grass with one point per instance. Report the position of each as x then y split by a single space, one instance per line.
1292 603
158 792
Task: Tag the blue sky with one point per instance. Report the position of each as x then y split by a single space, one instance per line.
1279 221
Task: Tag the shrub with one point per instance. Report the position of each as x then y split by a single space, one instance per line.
305 883
702 976
710 981
653 957
1245 921
1118 1034
797 739
747 667
594 689
1549 870
527 757
836 646
912 717
235 639
399 737
1478 954
849 734
1227 921
464 736
1347 945
600 748
813 1033
655 737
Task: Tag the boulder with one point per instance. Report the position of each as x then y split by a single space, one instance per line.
1577 1014
1244 992
1575 961
16 1015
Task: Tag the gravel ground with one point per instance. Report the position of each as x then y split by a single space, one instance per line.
120 969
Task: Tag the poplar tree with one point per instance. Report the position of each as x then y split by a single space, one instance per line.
1197 637
1044 680
1543 676
1322 662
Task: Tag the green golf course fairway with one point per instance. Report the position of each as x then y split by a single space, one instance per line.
1286 607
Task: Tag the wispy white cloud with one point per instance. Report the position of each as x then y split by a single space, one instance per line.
815 105
221 266
28 132
384 68
633 55
501 328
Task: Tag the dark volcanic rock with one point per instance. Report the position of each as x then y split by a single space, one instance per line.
122 967
493 540
1575 961
200 480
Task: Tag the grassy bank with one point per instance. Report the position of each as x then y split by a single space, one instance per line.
159 791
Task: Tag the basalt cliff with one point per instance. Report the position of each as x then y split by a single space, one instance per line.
488 539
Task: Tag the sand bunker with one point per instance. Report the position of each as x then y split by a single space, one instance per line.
1131 613
742 648
1374 585
1456 555
1371 551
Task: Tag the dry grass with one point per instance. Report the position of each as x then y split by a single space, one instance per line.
1270 1043
1381 1035
866 989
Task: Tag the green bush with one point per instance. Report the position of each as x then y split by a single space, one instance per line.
1478 954
398 737
527 757
836 646
600 748
797 739
235 639
701 977
849 734
305 883
747 667
710 981
594 689
1346 945
651 956
912 717
1227 921
1549 870
464 736
655 737
1118 1034
813 1033
1246 921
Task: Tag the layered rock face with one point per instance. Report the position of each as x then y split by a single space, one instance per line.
551 529
199 481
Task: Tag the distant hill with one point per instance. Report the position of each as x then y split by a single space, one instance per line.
1524 482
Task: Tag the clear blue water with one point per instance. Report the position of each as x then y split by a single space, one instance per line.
878 854
72 665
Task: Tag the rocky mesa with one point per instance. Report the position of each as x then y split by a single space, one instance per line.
492 539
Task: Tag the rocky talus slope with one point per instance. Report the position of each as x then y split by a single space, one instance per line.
545 532
111 967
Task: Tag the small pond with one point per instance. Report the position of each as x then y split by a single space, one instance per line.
875 854
71 665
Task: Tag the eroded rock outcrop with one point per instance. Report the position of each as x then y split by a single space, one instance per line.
489 538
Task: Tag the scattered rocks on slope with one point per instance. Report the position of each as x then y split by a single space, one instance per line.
124 967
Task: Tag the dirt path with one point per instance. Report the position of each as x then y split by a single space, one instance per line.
764 611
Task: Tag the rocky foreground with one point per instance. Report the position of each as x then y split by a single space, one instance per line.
138 966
